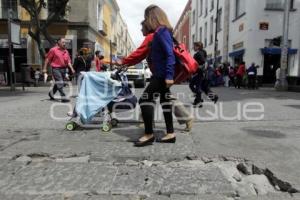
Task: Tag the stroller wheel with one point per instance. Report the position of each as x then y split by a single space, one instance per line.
71 126
114 122
106 127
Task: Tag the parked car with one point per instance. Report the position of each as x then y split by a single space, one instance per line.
137 74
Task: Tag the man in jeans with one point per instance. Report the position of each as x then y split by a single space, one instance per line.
59 59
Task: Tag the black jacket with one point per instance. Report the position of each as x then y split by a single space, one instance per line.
200 56
79 64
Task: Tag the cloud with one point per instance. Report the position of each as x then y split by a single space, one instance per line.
132 12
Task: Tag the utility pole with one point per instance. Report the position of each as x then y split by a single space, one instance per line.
216 35
11 63
282 83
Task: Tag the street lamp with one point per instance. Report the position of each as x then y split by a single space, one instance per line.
282 83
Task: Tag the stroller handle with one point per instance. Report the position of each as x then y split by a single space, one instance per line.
122 68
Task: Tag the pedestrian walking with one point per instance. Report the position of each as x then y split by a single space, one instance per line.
59 59
79 65
37 76
199 82
195 83
141 53
252 72
90 62
162 60
98 61
231 74
240 74
225 72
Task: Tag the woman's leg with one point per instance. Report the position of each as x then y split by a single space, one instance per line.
166 105
147 105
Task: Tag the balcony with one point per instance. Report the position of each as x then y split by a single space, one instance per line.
102 28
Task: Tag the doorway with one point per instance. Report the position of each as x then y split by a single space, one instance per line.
271 64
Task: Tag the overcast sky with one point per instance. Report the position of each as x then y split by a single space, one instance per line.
132 12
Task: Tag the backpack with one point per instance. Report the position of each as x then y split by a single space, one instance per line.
185 65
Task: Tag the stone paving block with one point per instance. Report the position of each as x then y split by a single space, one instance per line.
277 196
200 197
197 181
53 178
128 180
105 151
30 197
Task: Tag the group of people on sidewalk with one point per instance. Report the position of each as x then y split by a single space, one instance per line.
241 76
238 76
157 48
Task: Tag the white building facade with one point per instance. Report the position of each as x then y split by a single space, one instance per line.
246 29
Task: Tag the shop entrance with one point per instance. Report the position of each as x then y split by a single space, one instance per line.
271 64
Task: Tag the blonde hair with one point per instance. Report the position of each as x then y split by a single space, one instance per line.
155 17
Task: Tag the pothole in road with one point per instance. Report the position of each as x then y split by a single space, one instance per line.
265 133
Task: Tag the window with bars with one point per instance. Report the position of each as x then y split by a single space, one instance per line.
206 8
219 21
239 7
201 39
278 4
211 37
194 17
9 4
201 8
52 5
205 34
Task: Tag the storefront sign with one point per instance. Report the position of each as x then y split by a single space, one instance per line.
15 33
238 45
264 26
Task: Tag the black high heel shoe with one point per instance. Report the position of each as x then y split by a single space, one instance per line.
144 143
170 140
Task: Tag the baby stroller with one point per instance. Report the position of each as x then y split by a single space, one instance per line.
102 94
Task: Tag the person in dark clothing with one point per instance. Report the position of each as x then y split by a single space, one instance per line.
89 59
252 72
195 83
162 60
79 64
199 82
231 76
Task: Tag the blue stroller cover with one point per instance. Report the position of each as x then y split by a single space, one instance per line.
97 90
